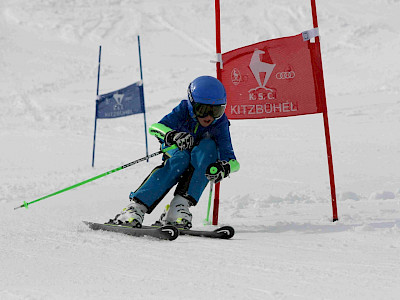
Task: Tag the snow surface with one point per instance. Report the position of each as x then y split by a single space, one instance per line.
286 246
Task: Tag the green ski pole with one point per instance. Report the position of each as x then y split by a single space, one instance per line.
207 220
213 170
26 204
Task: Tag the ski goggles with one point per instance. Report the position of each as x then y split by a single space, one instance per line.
203 110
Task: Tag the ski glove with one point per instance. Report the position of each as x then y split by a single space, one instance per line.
183 140
217 171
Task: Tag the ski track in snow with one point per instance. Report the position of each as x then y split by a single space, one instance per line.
285 246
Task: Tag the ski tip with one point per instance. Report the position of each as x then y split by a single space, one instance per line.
170 231
226 232
91 225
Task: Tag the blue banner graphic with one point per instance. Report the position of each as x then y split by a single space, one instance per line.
124 102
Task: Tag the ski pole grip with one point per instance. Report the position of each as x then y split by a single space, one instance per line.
213 170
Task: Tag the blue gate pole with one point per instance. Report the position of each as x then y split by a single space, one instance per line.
97 94
144 111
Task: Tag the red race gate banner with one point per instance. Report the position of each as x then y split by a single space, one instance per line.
274 78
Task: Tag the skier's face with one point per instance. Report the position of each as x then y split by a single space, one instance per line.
206 121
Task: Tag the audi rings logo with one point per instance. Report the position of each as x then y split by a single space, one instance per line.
285 75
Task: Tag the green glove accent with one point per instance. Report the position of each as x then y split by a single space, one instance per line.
159 130
235 166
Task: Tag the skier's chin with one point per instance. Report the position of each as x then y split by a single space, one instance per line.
207 121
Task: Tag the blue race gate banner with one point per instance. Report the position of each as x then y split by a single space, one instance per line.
120 103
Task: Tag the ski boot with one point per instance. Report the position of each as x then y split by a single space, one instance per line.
132 215
177 214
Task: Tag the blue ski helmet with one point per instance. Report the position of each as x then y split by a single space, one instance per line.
207 96
207 90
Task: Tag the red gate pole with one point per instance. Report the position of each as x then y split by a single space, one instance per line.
218 37
325 116
219 76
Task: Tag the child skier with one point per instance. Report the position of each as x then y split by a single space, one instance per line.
200 130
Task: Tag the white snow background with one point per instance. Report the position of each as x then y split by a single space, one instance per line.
286 245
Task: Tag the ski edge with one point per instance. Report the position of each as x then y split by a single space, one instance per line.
223 232
164 233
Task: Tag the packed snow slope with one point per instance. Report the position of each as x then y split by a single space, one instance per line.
286 245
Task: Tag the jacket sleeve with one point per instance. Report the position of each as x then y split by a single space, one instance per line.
159 130
224 144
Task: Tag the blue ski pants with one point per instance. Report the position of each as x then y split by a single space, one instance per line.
186 168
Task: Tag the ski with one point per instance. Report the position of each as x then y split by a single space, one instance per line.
164 233
224 232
